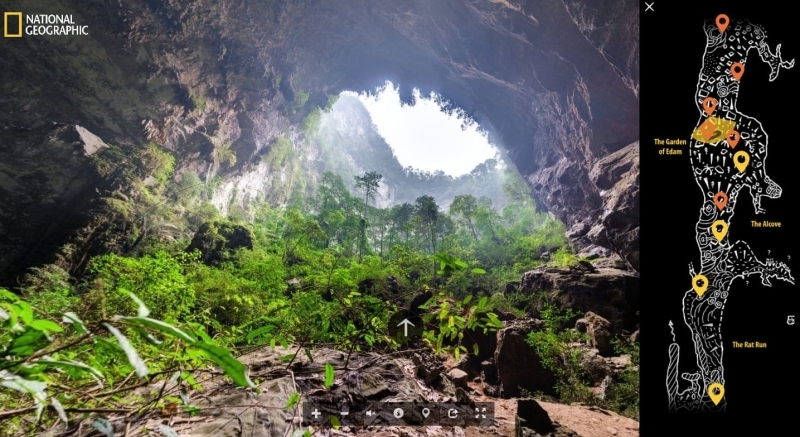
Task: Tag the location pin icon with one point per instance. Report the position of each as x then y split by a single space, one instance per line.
709 105
716 391
720 199
733 138
719 228
700 284
740 160
737 70
722 22
425 412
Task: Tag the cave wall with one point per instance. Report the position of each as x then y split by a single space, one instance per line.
554 81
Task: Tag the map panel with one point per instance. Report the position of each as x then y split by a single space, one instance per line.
720 337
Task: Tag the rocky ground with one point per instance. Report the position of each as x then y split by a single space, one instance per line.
414 375
225 410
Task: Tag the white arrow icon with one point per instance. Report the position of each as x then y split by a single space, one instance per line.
405 324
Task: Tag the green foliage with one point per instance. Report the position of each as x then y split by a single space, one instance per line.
224 154
198 102
329 375
622 395
563 257
38 352
300 100
552 345
331 269
312 121
279 153
453 318
157 279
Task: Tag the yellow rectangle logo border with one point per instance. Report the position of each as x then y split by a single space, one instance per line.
5 24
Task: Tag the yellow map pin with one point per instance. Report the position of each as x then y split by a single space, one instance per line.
716 391
700 284
719 228
740 160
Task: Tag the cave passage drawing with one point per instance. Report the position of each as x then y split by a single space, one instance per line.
728 150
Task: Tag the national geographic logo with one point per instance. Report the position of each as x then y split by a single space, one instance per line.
17 24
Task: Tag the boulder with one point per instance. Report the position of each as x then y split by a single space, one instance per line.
459 377
469 365
613 293
600 333
217 241
427 367
518 364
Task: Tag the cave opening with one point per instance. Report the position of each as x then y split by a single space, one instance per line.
425 146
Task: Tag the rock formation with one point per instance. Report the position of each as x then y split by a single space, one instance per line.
555 82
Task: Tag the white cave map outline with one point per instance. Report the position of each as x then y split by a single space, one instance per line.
727 151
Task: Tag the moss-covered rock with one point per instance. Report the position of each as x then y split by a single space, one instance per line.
218 240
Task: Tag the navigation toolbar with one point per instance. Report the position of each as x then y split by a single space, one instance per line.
400 414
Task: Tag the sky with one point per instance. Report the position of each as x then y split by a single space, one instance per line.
424 137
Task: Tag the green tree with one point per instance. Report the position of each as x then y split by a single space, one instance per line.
427 212
401 219
465 206
369 182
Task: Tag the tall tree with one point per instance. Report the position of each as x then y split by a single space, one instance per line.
465 206
427 212
369 182
401 218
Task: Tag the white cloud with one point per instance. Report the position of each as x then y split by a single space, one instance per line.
424 137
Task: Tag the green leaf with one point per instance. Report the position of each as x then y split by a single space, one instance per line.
45 326
308 354
133 357
189 378
161 326
76 322
287 358
266 329
329 375
232 367
147 336
478 271
457 353
7 295
475 349
293 399
335 422
467 300
28 343
24 311
70 364
143 311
